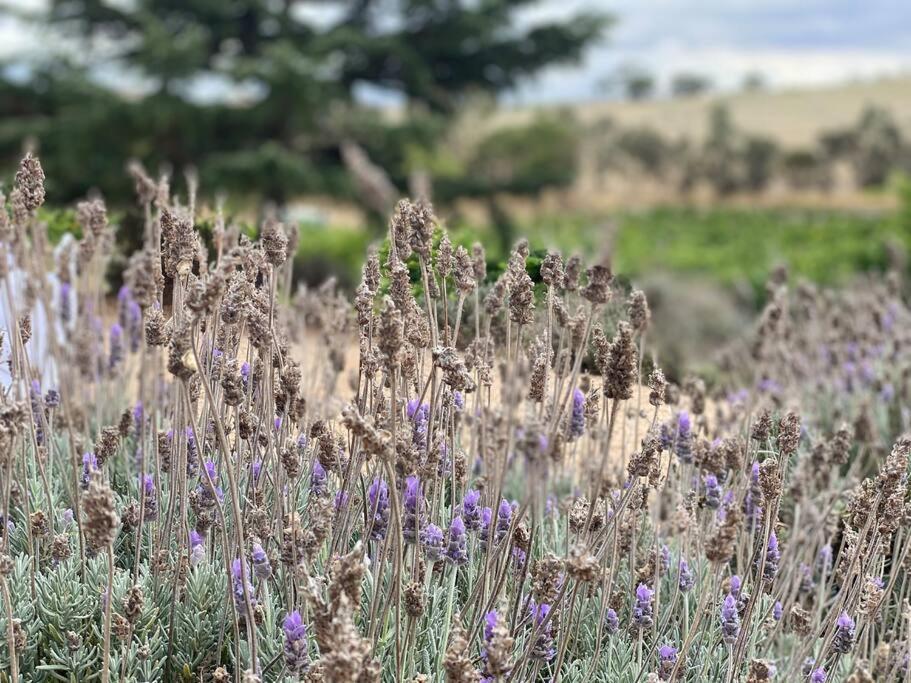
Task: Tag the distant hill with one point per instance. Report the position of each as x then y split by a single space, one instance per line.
794 118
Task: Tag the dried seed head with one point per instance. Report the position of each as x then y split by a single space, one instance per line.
275 241
639 313
597 289
30 183
101 519
621 364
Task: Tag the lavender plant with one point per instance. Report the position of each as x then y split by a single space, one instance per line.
447 479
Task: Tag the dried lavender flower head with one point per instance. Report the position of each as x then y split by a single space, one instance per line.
29 182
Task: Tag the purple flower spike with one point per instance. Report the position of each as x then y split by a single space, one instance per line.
667 659
730 619
843 641
471 511
432 541
414 509
456 546
295 649
642 607
262 570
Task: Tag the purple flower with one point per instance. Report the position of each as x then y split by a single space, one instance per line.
341 500
116 342
378 497
240 579
490 623
667 658
262 570
414 508
824 559
89 465
134 326
683 441
577 421
150 501
471 511
456 551
544 643
611 621
818 675
486 518
295 649
192 453
664 558
777 611
66 302
844 634
713 491
51 399
432 541
807 584
504 517
772 558
642 607
686 581
730 619
318 479
458 400
736 584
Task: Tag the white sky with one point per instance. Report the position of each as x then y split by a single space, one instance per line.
791 42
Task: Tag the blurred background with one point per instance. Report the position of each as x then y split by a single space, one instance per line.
698 145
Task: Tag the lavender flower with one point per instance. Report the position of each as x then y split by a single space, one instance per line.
197 548
378 497
414 509
664 558
611 621
777 611
667 659
456 551
150 502
241 577
262 570
66 303
134 326
504 516
824 560
295 649
192 453
318 479
807 584
89 465
51 399
486 518
544 643
471 511
341 500
844 634
642 607
116 342
432 541
683 443
713 491
772 558
818 675
730 619
577 421
686 581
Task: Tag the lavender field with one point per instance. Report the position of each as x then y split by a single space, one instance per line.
213 475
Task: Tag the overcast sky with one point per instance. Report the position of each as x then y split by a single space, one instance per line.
791 42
